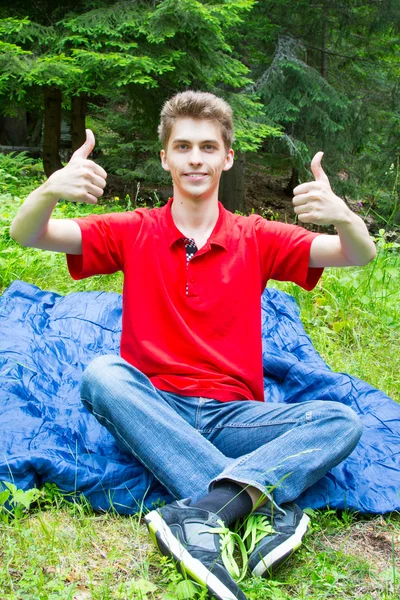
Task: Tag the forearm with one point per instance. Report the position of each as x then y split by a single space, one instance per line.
315 202
33 217
356 244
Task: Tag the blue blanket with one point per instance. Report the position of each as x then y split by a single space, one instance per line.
46 340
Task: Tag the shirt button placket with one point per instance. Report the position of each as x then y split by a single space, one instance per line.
191 249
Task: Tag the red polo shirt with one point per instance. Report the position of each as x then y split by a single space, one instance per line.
194 328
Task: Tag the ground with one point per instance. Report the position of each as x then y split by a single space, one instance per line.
73 553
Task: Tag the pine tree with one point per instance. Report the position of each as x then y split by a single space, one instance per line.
138 54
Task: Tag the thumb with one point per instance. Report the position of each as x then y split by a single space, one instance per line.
87 147
317 170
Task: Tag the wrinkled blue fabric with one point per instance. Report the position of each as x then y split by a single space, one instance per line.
46 340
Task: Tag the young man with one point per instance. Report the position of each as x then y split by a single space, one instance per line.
186 396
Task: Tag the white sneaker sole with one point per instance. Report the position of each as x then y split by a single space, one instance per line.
195 569
284 549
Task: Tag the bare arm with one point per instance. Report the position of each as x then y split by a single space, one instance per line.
315 202
33 226
81 180
352 246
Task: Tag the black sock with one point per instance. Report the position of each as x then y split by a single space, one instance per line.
228 500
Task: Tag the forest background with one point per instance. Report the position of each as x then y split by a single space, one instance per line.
301 77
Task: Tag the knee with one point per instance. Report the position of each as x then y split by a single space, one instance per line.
97 374
348 423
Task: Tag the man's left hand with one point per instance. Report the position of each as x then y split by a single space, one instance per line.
315 202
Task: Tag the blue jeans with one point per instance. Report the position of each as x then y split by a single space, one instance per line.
189 443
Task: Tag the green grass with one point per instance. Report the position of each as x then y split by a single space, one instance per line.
353 318
59 550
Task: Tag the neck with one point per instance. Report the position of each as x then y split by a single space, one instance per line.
195 218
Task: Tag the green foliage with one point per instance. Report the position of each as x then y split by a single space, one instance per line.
17 173
251 124
15 502
129 43
300 79
128 57
307 108
179 587
327 75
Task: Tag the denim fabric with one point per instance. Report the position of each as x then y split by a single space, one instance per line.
189 443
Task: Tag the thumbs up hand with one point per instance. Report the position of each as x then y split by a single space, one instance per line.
315 202
81 180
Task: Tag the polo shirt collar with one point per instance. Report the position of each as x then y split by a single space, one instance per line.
219 234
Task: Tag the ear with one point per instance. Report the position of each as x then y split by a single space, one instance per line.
164 163
229 160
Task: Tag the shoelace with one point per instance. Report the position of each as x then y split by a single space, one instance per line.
256 527
228 542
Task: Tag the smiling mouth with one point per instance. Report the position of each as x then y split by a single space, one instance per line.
195 175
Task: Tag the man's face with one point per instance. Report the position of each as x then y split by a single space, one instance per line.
196 156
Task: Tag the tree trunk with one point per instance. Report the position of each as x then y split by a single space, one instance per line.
293 182
323 40
15 129
231 190
78 114
52 129
36 134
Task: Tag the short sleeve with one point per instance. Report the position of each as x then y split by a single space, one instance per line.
105 239
285 253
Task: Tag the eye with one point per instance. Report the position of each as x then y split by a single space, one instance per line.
182 146
208 147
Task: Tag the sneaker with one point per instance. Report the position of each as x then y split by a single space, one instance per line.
186 534
281 534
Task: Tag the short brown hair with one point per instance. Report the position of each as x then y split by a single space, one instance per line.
196 105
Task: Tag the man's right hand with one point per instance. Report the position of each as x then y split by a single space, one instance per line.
81 180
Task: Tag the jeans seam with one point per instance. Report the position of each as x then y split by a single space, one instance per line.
198 416
250 425
86 400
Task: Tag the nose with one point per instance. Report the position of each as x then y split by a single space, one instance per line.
195 157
